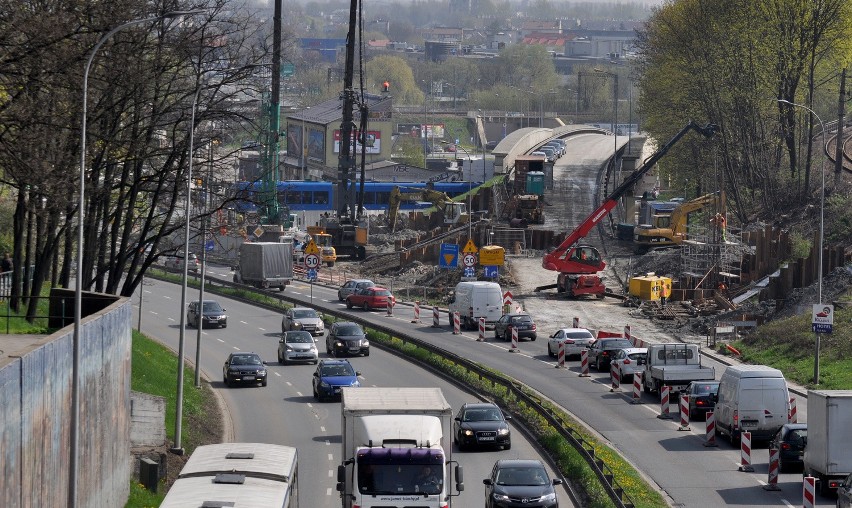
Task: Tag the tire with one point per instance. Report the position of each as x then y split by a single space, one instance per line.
280 358
367 353
550 353
508 446
645 387
621 377
225 325
263 383
496 335
330 264
348 304
316 395
366 307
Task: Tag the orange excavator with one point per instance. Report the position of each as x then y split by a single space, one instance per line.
578 264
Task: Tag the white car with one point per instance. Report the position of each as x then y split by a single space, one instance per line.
297 346
629 361
575 340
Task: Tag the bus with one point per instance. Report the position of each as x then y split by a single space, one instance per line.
241 475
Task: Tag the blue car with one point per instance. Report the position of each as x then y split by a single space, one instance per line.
332 376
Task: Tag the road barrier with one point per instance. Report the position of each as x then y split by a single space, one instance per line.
745 453
793 417
664 402
436 317
584 363
637 388
560 356
456 324
390 308
628 336
613 374
772 481
416 312
514 340
481 329
576 322
808 492
684 413
710 440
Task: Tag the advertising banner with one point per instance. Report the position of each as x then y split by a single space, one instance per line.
373 142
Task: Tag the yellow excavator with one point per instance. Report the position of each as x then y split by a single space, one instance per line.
671 229
451 211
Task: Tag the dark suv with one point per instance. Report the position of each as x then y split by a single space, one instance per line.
212 314
517 482
333 375
244 367
346 337
523 322
482 423
602 351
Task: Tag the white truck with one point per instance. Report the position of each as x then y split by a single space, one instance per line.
828 456
674 365
397 448
265 265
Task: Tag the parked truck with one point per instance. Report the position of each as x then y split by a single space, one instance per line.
265 265
828 456
674 365
390 437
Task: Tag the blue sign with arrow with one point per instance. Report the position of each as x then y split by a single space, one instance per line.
491 271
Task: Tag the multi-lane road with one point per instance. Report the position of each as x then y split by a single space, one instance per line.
285 412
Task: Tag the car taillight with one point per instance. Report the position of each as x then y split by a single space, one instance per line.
604 353
627 361
569 341
533 328
786 446
736 419
699 402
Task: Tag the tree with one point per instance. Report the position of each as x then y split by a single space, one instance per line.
397 72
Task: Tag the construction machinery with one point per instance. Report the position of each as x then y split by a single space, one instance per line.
346 238
452 212
526 209
578 264
671 229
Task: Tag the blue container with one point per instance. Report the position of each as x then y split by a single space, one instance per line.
535 183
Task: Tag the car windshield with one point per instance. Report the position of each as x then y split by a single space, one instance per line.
304 314
212 307
337 370
348 330
521 319
482 415
246 360
704 388
639 357
522 476
382 292
400 479
298 337
616 344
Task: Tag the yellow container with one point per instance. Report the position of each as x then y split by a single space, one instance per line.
650 287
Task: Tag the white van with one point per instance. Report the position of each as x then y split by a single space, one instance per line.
476 299
752 398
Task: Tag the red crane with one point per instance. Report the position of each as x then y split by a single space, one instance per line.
578 264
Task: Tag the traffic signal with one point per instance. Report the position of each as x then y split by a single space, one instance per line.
386 86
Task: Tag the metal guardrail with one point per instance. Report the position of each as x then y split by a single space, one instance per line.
518 390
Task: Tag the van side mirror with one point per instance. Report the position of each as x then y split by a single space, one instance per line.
459 478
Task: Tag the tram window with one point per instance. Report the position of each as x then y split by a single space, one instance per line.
293 197
382 198
320 198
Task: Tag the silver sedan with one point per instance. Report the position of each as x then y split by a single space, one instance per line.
575 340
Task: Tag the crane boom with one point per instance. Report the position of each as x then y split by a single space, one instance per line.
557 259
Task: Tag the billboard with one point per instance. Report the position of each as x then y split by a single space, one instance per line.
419 130
373 142
316 145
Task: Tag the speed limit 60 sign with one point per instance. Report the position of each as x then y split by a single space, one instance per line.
312 261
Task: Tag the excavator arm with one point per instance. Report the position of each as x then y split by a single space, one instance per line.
561 258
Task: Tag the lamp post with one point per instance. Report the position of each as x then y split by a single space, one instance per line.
469 192
821 226
614 77
78 289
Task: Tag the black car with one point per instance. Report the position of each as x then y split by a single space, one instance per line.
522 321
602 351
244 367
790 441
702 398
482 424
346 337
516 483
212 315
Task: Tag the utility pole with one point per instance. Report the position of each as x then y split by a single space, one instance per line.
838 144
346 160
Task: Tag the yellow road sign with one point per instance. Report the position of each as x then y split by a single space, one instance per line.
470 248
311 248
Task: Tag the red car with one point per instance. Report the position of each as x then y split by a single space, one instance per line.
370 298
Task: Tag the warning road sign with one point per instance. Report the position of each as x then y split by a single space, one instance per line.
311 248
470 248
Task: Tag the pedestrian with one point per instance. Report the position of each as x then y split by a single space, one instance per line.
6 264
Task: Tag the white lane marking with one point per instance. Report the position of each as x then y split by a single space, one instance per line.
289 383
322 428
261 329
327 442
220 340
171 319
277 374
310 405
236 348
787 503
331 473
243 322
330 456
153 313
296 293
328 491
146 290
167 297
299 393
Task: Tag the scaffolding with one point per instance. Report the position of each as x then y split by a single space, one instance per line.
707 259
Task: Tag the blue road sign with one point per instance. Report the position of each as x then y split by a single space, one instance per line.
449 257
210 245
491 271
312 274
470 272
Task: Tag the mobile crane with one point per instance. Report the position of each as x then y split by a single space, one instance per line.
452 212
670 229
578 264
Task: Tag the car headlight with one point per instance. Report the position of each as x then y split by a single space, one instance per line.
288 348
338 343
320 326
313 348
501 497
547 498
468 432
261 372
355 383
297 325
503 432
324 384
365 342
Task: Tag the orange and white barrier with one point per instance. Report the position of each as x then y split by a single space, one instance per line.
627 335
416 312
514 340
584 363
774 461
436 317
481 329
665 390
808 492
390 308
745 452
456 323
793 417
637 387
684 412
710 440
560 356
613 374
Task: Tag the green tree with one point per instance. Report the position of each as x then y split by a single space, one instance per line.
398 73
526 66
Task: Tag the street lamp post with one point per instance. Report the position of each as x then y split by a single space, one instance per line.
469 192
821 227
78 289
